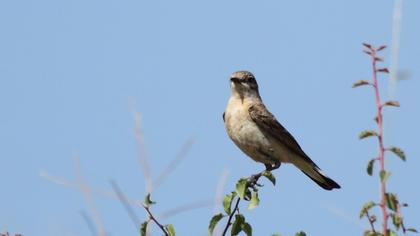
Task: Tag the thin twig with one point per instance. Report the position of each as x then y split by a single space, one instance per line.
69 184
85 189
346 216
174 163
187 207
143 158
89 223
251 182
372 226
380 139
219 188
125 199
402 220
124 202
231 216
151 217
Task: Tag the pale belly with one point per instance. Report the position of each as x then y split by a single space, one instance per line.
245 133
251 140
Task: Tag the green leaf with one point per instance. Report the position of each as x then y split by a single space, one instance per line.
367 52
143 228
391 232
397 151
148 201
391 201
247 229
383 70
241 187
237 225
381 48
392 103
366 207
369 168
367 133
396 220
371 233
171 230
269 176
367 45
255 201
379 59
276 234
213 222
412 230
227 202
301 233
360 83
384 175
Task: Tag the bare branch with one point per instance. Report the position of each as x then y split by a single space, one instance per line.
89 223
87 194
175 162
143 158
151 217
124 201
219 189
371 221
187 207
65 183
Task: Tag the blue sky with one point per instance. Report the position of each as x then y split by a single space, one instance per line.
72 72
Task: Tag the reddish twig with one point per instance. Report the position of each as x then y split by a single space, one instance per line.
379 121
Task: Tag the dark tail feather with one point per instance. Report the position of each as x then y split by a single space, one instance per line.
325 182
309 168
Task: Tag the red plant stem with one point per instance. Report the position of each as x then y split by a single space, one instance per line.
381 144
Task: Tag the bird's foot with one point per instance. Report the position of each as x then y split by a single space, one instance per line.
270 167
252 181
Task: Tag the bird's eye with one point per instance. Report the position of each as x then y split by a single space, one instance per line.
249 79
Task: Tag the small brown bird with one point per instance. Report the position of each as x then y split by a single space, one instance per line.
260 136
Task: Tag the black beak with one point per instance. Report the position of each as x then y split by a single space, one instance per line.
235 80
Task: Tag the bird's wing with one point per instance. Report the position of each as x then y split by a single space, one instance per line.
268 123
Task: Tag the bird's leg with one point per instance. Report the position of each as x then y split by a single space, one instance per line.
270 167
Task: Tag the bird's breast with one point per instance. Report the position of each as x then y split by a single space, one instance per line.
245 133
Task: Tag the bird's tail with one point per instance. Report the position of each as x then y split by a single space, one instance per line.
315 173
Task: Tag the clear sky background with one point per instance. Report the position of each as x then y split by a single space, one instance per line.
72 72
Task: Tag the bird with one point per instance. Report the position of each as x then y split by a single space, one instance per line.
260 136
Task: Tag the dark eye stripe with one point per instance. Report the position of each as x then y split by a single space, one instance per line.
249 79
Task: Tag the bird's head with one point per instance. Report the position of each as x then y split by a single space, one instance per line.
243 84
